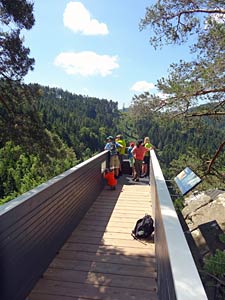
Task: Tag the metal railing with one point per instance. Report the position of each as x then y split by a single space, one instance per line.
177 275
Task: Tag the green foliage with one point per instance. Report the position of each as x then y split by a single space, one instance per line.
215 268
170 23
82 122
188 83
20 171
15 16
222 238
51 130
127 127
215 264
76 129
180 143
178 203
197 162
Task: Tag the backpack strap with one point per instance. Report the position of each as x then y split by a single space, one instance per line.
137 239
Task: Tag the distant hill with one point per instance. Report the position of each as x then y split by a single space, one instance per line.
82 122
45 131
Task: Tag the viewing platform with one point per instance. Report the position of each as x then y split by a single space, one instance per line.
70 239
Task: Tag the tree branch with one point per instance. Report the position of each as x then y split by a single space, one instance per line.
215 156
205 92
208 113
214 277
220 104
186 12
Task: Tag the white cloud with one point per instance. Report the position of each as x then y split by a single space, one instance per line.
77 18
142 86
86 63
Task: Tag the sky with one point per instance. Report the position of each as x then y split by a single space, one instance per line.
95 48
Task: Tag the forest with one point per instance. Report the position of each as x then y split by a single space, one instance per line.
56 130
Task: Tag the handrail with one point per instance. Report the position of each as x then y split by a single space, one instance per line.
35 225
177 274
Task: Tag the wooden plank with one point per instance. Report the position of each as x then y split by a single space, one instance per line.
91 227
91 291
106 257
114 242
85 235
101 260
127 223
102 279
146 271
118 210
37 296
109 249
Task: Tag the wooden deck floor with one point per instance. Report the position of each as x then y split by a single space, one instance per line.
101 260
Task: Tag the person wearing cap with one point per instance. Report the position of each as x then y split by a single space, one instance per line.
138 152
130 157
109 140
114 162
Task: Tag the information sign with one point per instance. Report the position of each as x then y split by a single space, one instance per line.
187 180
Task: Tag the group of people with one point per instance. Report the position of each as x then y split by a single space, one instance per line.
138 155
139 158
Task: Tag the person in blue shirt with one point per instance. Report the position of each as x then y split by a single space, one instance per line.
114 162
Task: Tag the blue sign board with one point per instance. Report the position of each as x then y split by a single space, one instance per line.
187 180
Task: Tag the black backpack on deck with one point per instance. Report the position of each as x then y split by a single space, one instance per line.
144 227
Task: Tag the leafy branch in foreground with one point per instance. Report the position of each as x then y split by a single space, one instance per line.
14 56
174 21
189 84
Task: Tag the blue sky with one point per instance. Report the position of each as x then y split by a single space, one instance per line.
95 48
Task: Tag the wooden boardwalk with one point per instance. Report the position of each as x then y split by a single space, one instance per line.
101 260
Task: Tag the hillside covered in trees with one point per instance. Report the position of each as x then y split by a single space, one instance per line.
82 122
197 80
46 131
180 143
57 129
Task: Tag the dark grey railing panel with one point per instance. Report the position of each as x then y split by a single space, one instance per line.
35 225
178 278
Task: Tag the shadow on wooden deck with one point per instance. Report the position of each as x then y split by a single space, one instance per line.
101 260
